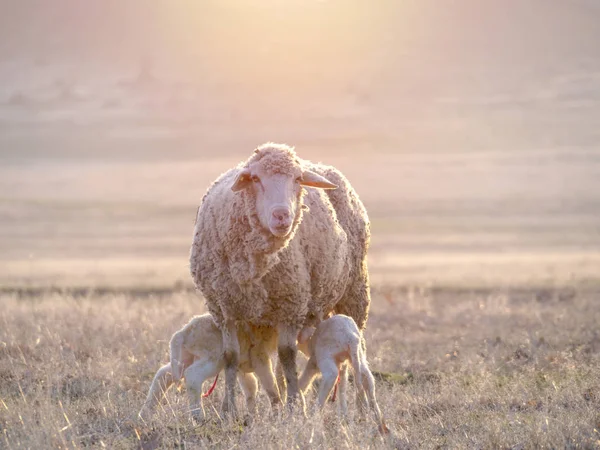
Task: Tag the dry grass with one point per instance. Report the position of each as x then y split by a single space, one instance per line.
456 369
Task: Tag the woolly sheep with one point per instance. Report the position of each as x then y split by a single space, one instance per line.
268 252
196 353
329 346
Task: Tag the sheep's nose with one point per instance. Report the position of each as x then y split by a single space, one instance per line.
281 214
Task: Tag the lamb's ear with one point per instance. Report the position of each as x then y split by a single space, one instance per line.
312 179
242 181
305 334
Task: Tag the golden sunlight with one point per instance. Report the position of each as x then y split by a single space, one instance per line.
275 43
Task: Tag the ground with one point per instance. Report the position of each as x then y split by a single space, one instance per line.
486 368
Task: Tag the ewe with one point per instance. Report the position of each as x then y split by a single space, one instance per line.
197 355
279 242
329 346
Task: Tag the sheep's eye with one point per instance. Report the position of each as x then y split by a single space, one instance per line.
298 179
255 179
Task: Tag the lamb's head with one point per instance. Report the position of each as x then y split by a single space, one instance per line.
304 340
273 176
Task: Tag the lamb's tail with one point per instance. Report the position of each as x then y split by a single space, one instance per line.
176 350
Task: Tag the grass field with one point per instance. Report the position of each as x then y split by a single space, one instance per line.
501 368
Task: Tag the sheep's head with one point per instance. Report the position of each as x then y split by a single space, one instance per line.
274 177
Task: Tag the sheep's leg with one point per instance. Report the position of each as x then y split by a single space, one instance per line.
287 351
195 375
261 363
160 384
249 386
329 370
342 389
281 384
231 357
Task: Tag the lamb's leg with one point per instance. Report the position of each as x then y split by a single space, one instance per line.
231 356
329 371
178 356
356 358
310 371
342 390
160 384
287 350
261 363
369 387
361 401
195 375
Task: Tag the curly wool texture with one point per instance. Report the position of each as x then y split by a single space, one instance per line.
247 274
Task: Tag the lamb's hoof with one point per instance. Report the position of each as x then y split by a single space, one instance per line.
385 435
382 429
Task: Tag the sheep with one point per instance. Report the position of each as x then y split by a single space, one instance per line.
196 353
329 346
280 242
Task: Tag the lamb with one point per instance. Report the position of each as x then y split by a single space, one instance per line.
280 242
329 346
196 353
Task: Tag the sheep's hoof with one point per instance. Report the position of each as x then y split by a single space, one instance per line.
229 412
248 419
295 404
198 416
276 404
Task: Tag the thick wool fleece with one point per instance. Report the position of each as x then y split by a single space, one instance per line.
247 274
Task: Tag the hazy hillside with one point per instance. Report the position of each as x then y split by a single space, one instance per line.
467 126
399 77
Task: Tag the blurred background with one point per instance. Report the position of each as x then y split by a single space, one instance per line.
470 129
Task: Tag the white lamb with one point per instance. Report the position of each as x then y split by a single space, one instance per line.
196 354
329 346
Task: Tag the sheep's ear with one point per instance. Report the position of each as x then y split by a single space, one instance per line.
305 334
312 179
242 181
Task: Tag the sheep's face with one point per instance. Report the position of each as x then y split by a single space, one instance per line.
278 193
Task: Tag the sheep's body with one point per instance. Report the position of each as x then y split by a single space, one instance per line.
249 275
244 274
330 346
196 354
